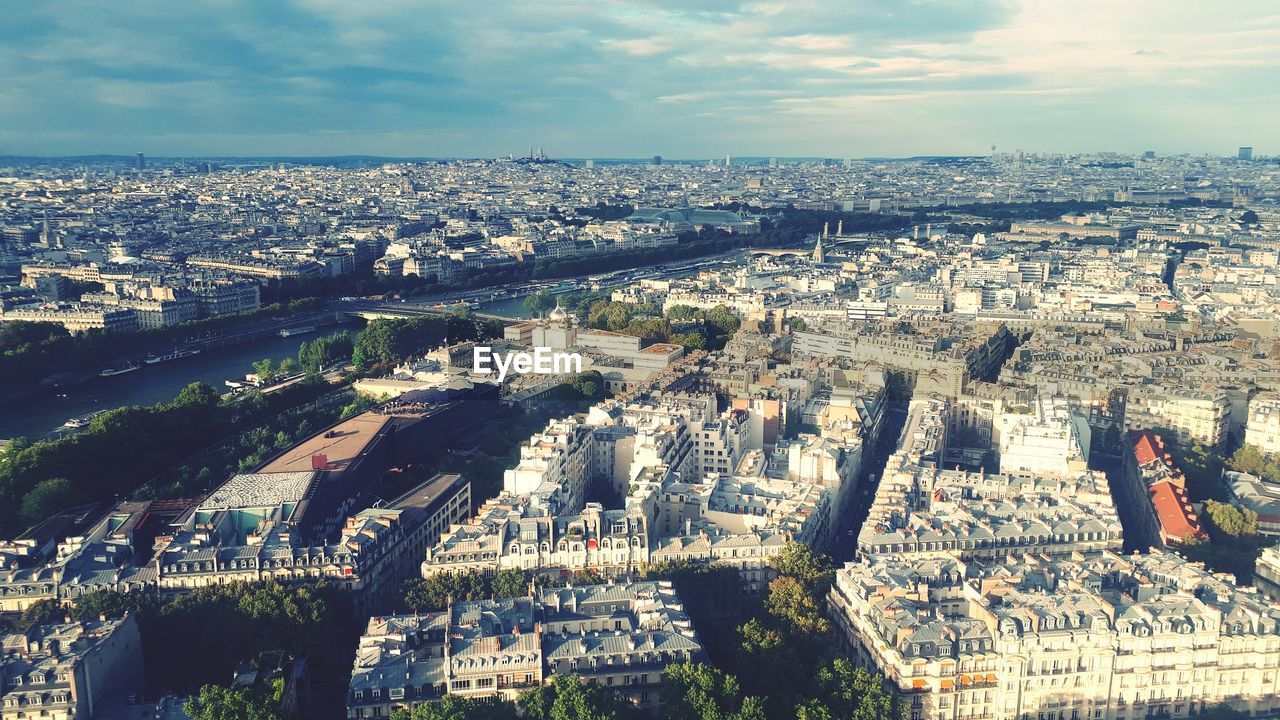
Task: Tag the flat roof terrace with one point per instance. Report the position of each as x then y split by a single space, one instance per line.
340 445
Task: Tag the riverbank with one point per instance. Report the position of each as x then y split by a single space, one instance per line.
42 410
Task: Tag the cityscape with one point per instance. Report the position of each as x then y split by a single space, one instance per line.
652 362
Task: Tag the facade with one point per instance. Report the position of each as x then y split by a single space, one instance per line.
1104 637
1194 415
619 636
1156 492
63 671
1262 430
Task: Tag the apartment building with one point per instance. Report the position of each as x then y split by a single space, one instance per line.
63 671
619 636
1099 637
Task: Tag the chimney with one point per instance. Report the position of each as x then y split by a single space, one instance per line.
319 461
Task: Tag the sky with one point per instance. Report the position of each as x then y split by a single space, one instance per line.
624 78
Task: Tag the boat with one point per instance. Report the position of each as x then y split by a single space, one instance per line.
290 332
174 355
120 369
80 421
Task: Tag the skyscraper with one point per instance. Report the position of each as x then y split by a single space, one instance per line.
728 160
1246 153
141 162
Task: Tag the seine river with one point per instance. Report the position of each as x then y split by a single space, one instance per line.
46 411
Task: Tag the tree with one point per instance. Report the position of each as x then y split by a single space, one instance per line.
511 583
43 612
289 366
568 698
197 394
265 369
540 302
1233 520
215 702
452 707
325 351
47 498
1248 217
695 691
848 692
813 570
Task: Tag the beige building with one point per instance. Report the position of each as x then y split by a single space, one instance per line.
1102 637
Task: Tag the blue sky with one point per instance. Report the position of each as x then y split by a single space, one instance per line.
617 78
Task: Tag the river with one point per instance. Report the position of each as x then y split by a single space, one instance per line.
45 412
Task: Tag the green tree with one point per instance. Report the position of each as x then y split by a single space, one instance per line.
540 302
1233 520
511 583
215 702
568 698
813 570
682 312
696 691
848 692
197 394
455 708
265 369
43 612
47 498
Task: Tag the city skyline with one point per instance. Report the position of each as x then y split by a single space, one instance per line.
788 79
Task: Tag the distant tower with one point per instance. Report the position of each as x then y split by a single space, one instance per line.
540 155
1245 153
591 164
773 162
728 160
141 162
840 228
825 228
848 163
46 231
819 255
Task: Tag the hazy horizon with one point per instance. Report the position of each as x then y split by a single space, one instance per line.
632 79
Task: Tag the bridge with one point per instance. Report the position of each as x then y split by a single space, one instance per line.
828 243
401 311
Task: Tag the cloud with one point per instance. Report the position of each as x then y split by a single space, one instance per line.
692 78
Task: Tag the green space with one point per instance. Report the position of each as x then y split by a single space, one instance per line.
1234 541
774 655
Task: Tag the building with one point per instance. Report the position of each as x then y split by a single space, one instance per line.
1155 490
63 671
1192 415
76 317
1245 153
619 636
1262 429
1259 495
1101 637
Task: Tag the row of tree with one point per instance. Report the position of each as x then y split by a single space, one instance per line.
30 351
689 327
774 656
124 448
386 341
